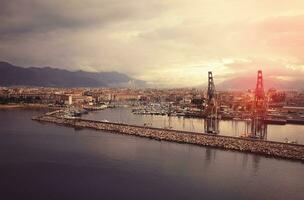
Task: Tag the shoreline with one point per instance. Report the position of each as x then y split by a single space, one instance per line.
25 106
247 145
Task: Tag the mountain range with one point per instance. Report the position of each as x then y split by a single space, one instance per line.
249 82
11 75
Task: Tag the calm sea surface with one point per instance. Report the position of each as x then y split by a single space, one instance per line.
47 161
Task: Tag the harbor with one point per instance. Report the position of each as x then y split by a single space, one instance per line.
276 117
256 146
236 128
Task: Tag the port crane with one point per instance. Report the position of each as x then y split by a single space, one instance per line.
211 122
259 110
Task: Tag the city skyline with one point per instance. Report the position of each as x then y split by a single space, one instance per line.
166 43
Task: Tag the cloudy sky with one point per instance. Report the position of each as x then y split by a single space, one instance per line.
170 43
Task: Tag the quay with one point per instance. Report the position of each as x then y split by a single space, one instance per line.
249 145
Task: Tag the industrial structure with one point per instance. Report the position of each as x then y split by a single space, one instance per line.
211 122
259 109
255 127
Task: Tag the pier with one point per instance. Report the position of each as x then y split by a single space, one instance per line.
250 145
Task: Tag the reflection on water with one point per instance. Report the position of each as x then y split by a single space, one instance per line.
230 128
210 156
211 125
47 161
255 163
258 128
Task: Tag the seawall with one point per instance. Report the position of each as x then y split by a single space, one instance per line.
267 148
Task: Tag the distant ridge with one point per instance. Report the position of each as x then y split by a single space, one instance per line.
244 83
11 75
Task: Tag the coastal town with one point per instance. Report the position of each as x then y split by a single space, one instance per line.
283 106
256 108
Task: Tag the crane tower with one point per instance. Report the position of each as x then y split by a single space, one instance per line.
259 108
211 117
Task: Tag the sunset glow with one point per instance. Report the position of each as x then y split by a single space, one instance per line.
166 43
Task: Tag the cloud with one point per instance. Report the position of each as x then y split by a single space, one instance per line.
169 43
20 17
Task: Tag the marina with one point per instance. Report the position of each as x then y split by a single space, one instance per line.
166 109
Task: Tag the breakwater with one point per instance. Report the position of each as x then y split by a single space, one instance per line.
267 148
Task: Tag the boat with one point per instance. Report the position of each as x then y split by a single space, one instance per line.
92 108
290 141
237 119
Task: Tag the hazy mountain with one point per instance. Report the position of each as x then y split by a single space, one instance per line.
11 75
244 83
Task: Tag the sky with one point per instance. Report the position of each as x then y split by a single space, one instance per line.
168 43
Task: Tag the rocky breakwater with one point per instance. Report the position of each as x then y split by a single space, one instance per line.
267 148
